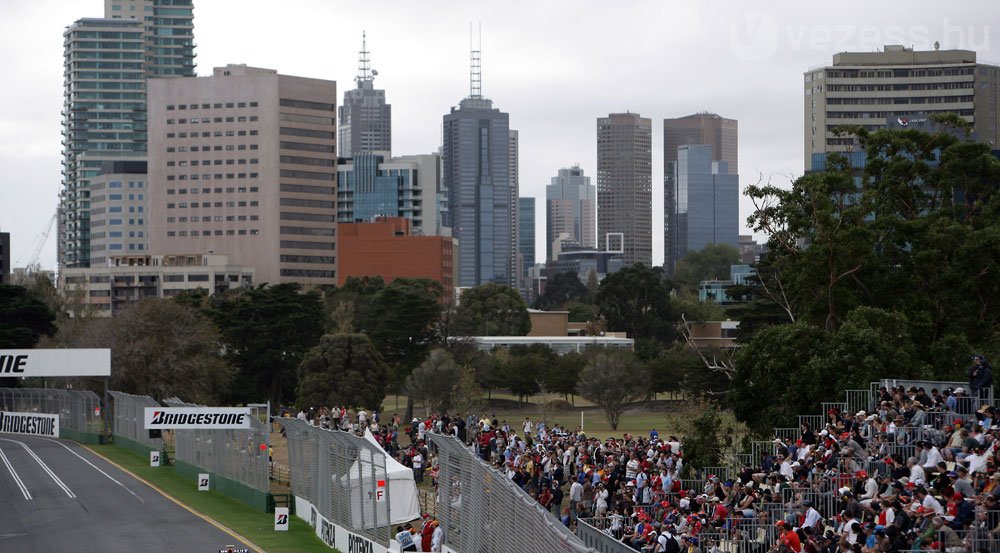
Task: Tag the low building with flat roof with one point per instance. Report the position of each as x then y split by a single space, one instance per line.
131 278
558 344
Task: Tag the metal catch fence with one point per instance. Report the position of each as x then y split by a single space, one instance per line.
237 459
128 426
79 410
337 472
481 510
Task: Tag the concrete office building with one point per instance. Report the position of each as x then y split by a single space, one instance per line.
525 235
127 279
701 128
625 185
570 210
373 185
869 88
118 211
387 247
365 120
243 163
476 158
706 209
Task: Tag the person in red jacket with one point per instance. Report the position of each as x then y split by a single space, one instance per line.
788 537
426 533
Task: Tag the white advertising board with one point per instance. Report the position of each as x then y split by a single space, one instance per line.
55 362
196 418
281 519
154 458
337 536
32 424
203 481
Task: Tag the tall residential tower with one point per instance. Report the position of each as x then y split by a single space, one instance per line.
625 185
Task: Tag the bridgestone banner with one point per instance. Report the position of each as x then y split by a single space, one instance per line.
55 362
196 418
34 424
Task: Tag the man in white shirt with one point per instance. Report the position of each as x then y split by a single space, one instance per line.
575 496
916 472
437 538
933 456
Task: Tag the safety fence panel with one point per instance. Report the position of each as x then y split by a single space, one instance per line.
602 534
237 459
79 410
482 510
338 472
859 400
129 427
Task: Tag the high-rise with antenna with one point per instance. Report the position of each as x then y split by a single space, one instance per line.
365 120
476 64
480 175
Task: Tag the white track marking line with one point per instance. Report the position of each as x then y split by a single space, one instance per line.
45 467
17 479
109 477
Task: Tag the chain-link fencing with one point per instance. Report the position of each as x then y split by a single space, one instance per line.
338 473
129 426
237 459
481 510
79 410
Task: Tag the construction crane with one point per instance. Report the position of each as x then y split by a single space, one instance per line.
36 246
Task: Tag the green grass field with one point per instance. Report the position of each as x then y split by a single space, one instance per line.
637 421
252 524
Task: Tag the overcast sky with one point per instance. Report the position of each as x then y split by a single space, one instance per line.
554 66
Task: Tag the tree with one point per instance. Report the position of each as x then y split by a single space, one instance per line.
523 367
593 285
402 323
708 438
493 310
162 349
636 299
709 263
343 369
561 289
433 381
681 369
612 380
24 318
562 374
266 333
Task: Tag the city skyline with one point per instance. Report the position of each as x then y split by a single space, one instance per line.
553 80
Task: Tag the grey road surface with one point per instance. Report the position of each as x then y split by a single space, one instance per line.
58 497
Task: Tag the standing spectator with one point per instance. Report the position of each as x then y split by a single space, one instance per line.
405 539
575 496
437 536
980 377
418 466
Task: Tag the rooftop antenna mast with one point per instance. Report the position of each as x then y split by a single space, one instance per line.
365 73
475 64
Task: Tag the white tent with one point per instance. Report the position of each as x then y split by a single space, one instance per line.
402 503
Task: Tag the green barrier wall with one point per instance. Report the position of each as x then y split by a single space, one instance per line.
231 488
142 450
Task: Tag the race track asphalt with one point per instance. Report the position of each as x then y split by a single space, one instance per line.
81 503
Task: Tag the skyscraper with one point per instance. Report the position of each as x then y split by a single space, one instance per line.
106 63
526 233
513 163
476 158
871 88
365 120
570 209
701 128
104 119
168 32
243 163
625 185
706 210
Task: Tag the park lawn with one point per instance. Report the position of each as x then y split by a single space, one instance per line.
254 525
637 422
